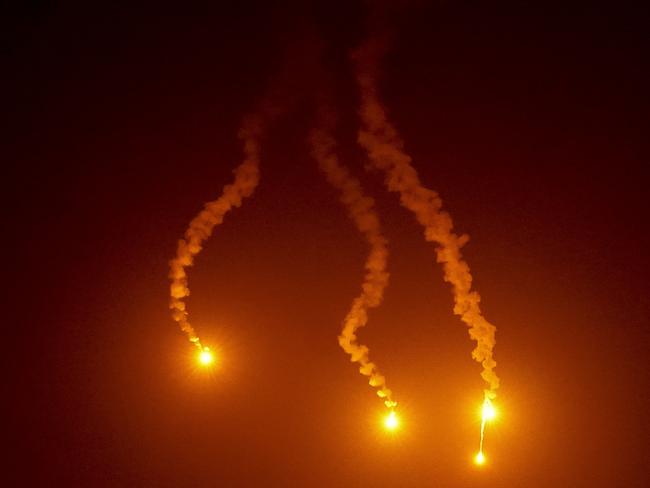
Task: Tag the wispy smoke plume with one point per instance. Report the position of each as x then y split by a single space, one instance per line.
386 152
362 212
201 227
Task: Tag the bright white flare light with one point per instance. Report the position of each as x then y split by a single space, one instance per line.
391 422
206 357
480 458
489 412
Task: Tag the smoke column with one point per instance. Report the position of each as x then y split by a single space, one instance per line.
201 226
362 212
386 152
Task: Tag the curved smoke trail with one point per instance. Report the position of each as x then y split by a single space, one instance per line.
281 94
362 212
386 152
201 226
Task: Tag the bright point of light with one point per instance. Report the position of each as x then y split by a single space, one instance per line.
391 422
206 357
480 458
489 411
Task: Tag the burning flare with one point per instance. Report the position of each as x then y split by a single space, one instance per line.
362 212
487 413
391 422
386 152
479 458
206 357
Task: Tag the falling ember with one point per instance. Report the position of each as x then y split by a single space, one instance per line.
206 357
487 413
479 458
391 422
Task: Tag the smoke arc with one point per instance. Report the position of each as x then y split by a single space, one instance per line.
202 225
385 150
364 215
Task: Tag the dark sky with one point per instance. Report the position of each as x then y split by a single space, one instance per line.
532 124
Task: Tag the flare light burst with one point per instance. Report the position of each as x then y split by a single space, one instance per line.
488 412
391 422
206 357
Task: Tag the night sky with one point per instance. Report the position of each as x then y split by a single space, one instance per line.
531 123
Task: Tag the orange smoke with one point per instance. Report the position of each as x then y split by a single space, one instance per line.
386 152
280 95
362 212
201 226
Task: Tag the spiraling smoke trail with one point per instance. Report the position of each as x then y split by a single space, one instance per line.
386 152
362 212
201 226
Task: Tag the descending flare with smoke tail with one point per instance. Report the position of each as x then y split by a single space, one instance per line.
362 212
386 152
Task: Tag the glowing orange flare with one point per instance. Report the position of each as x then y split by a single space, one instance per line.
391 422
206 357
480 458
488 411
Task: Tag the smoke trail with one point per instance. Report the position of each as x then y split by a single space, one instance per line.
362 212
386 152
283 92
201 226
